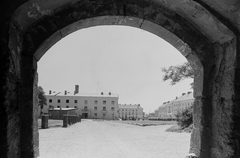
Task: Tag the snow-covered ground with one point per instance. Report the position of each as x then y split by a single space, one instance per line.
112 139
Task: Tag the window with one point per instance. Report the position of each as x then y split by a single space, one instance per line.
50 106
113 102
104 102
75 101
75 107
58 106
95 114
67 106
85 108
67 101
59 101
85 101
104 115
104 108
112 108
95 108
95 101
50 100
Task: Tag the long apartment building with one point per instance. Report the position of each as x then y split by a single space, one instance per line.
170 108
95 106
130 111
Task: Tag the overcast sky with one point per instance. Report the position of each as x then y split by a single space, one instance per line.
119 59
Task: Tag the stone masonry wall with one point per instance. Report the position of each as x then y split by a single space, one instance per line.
209 28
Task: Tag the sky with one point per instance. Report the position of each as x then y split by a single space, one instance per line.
119 59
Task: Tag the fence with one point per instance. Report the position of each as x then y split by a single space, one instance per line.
70 119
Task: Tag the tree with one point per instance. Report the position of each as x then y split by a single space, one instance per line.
185 117
178 73
42 100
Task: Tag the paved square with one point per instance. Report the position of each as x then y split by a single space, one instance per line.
112 139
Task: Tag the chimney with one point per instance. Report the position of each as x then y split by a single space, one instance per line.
183 93
76 89
101 93
50 92
109 93
65 92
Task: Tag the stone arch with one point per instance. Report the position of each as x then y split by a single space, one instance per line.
146 25
206 42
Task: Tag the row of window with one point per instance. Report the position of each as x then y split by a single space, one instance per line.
184 104
126 113
85 101
127 110
85 108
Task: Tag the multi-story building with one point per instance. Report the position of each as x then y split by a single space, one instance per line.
180 103
169 109
104 106
163 110
130 111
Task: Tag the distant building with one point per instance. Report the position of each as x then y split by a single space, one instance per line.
163 110
94 106
169 109
156 112
180 103
130 111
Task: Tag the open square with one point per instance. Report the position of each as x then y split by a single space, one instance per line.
112 139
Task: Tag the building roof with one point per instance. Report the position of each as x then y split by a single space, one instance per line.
64 109
129 106
186 96
84 94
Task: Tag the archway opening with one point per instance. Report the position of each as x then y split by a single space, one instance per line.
206 33
117 53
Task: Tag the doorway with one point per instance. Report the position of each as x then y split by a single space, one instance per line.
85 115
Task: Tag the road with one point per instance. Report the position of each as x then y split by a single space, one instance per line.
112 139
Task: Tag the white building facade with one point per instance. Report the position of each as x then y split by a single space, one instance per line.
170 109
181 103
130 111
93 106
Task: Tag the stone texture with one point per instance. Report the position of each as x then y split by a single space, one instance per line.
207 34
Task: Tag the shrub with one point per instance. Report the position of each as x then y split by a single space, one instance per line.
185 117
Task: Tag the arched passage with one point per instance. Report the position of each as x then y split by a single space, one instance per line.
206 42
127 21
